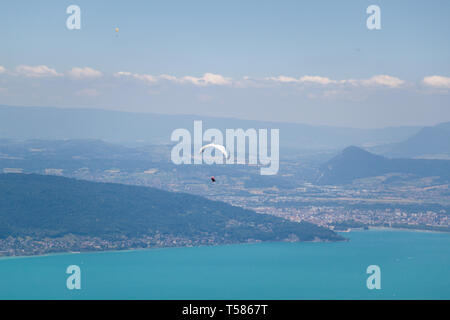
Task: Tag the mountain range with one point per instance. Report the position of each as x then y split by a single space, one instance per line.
355 163
429 142
49 123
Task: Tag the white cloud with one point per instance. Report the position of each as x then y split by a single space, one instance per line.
317 79
142 77
168 77
282 79
437 81
36 71
86 72
383 80
123 74
378 80
304 79
207 79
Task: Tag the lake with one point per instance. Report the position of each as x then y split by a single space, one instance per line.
414 265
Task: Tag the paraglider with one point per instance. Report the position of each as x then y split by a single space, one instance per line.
216 146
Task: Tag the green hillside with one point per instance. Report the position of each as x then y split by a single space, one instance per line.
53 207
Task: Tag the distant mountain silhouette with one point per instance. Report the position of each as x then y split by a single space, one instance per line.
65 148
48 123
353 163
429 142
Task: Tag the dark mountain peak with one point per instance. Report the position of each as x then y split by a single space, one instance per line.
355 151
354 154
351 163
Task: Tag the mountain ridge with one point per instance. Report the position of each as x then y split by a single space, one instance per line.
50 123
354 163
429 142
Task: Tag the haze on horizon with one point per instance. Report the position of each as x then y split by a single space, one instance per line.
310 62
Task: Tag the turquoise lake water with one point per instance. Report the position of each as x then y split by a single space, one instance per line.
414 265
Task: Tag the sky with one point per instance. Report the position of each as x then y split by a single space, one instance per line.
312 62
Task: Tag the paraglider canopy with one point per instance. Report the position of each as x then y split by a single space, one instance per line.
216 146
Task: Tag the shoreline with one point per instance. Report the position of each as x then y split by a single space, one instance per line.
379 228
370 228
382 229
405 229
161 248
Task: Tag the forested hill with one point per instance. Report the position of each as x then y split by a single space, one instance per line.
48 206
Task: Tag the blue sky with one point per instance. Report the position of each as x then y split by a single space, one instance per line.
302 61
